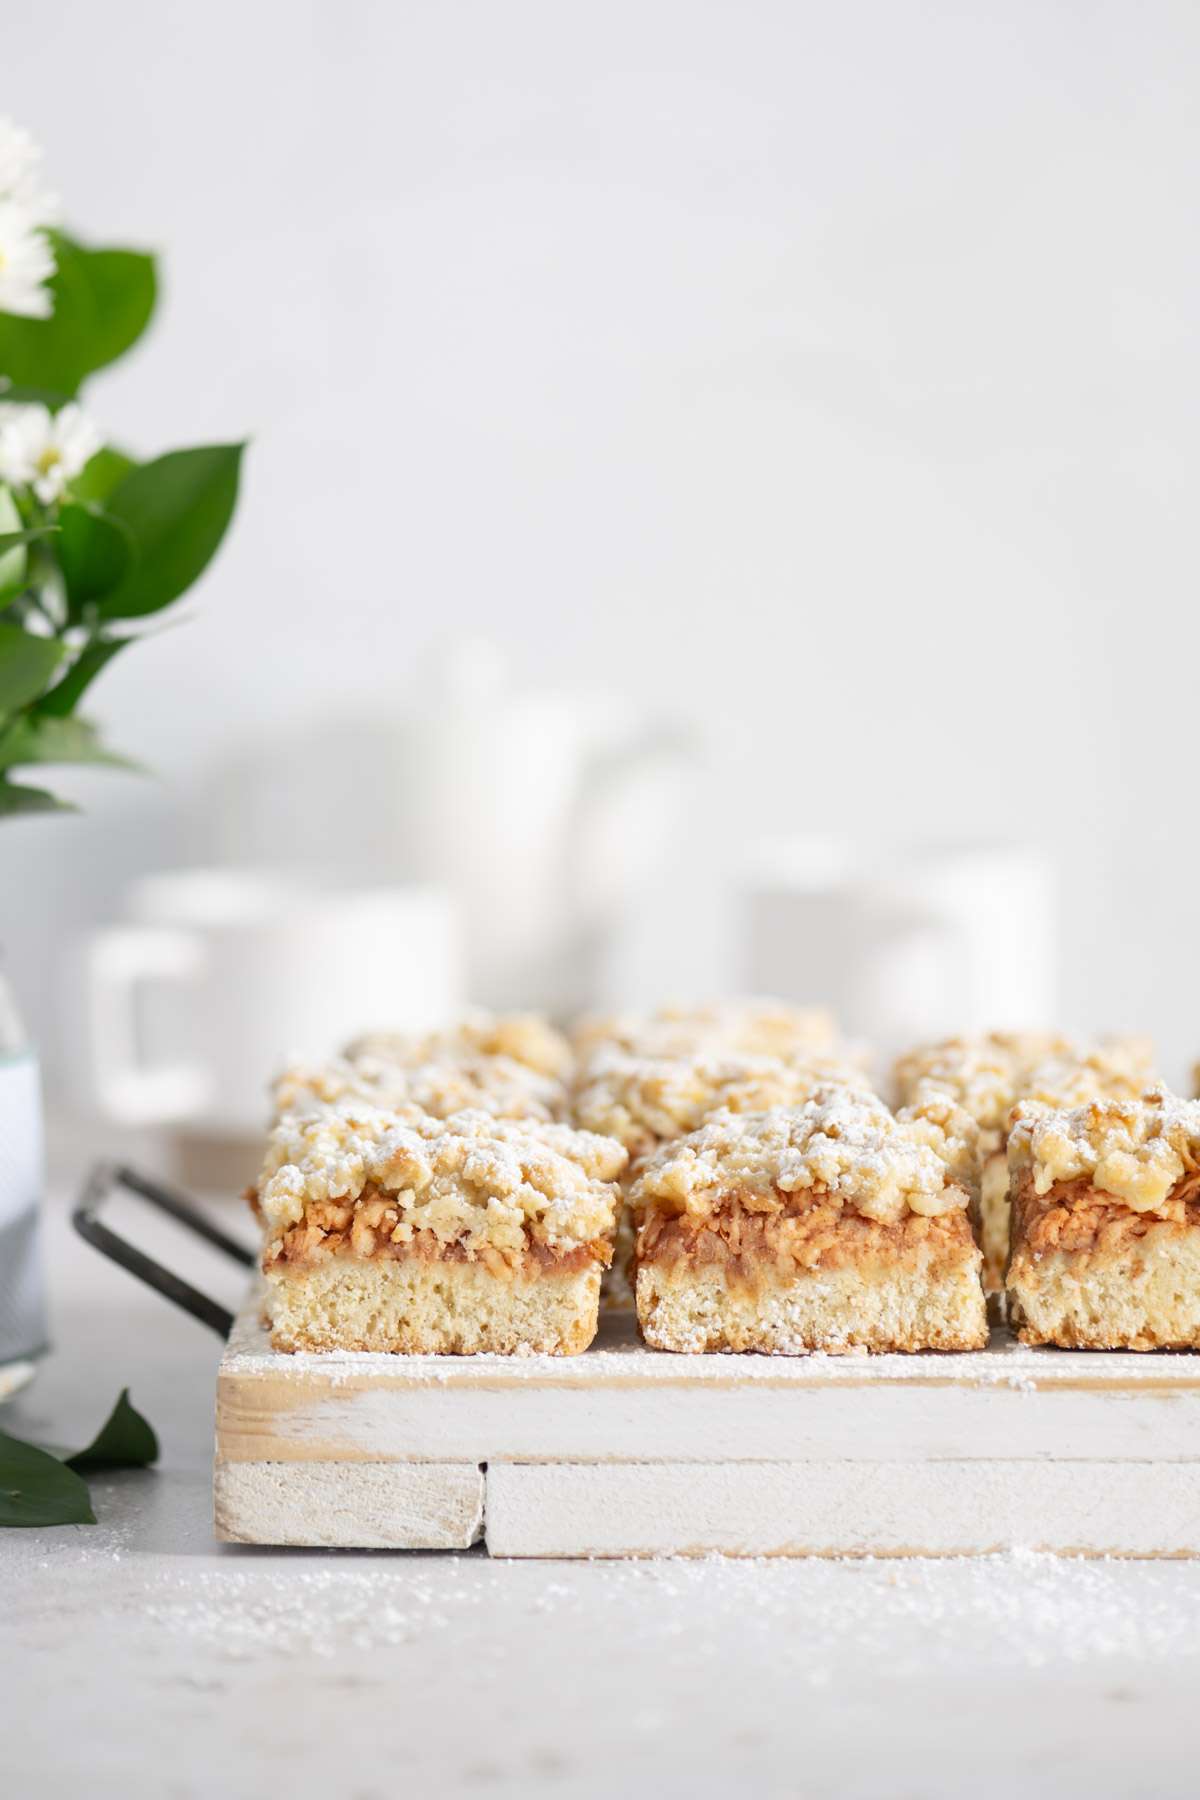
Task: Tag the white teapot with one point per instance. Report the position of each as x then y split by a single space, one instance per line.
543 813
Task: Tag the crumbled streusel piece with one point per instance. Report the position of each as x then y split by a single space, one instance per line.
838 1143
1135 1149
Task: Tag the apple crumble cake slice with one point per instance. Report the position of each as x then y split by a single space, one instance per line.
646 1101
1106 1223
401 1232
831 1225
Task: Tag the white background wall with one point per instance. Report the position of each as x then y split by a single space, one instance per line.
825 372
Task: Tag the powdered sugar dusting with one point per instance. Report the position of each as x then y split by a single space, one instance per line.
840 1141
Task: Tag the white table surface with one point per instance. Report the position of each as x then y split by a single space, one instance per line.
138 1656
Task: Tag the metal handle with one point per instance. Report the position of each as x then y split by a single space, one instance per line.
104 1178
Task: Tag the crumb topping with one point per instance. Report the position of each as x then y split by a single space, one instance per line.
988 1075
1136 1149
1115 1070
524 1037
493 1084
983 1074
936 1119
839 1143
469 1179
644 1101
734 1027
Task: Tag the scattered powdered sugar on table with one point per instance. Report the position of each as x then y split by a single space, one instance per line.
1020 1608
293 1670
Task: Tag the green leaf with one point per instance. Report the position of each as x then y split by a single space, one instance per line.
37 737
13 560
11 540
37 1489
103 300
16 801
21 395
26 665
94 553
66 694
100 476
125 1441
177 509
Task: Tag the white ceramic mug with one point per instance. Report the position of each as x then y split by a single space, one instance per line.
908 945
962 939
221 974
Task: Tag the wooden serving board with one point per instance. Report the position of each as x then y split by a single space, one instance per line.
626 1451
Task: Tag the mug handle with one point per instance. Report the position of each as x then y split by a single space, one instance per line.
127 1089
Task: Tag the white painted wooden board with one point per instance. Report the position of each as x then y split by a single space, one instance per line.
842 1508
743 1454
621 1402
349 1506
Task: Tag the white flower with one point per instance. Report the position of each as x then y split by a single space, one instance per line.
45 450
26 258
20 174
26 264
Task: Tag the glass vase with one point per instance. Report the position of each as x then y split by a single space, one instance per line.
23 1323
